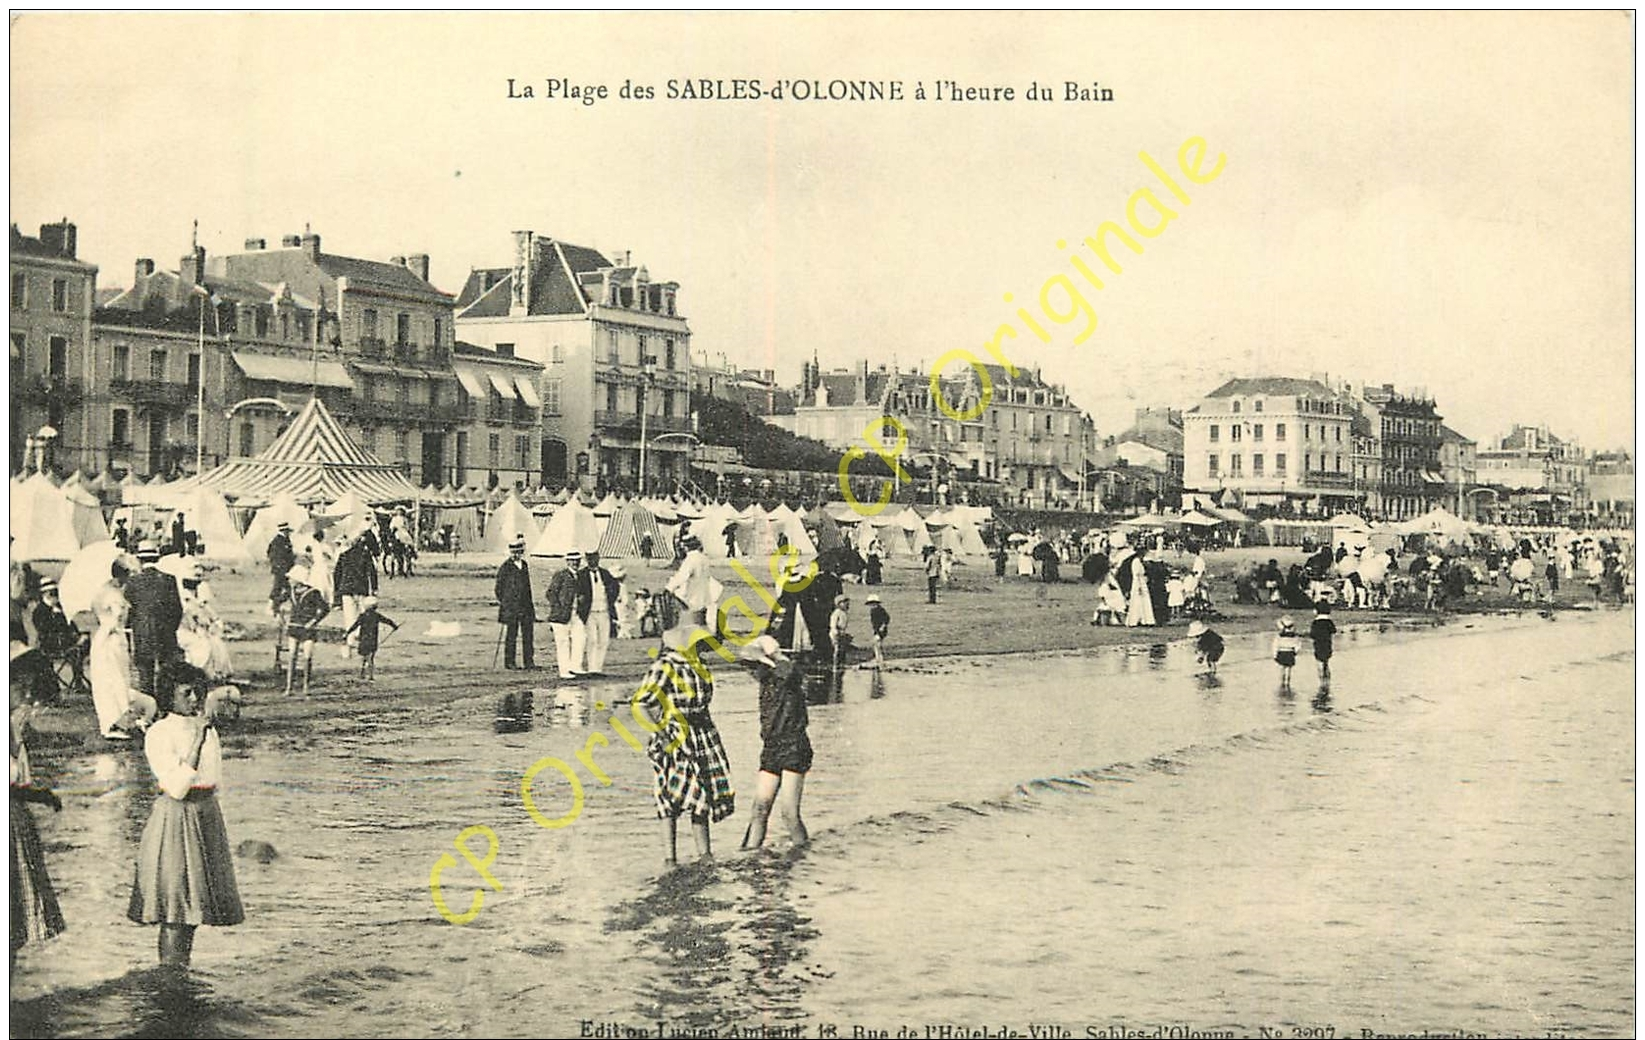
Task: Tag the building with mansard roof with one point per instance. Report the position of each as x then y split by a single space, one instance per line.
616 357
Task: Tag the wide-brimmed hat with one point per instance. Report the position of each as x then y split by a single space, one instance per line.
298 575
147 550
47 585
1286 624
840 601
691 541
873 597
763 650
617 572
1196 628
682 635
367 602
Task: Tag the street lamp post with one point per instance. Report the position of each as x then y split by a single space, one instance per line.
649 367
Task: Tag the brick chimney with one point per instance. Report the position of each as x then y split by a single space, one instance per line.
59 237
310 243
145 267
418 263
255 244
523 257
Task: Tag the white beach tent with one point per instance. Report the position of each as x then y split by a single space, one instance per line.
711 527
42 521
510 518
786 522
261 530
207 514
572 527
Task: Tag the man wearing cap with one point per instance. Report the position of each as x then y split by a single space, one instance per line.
569 634
597 594
515 610
156 611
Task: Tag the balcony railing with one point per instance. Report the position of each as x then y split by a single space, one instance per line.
1320 478
372 347
42 388
628 423
153 392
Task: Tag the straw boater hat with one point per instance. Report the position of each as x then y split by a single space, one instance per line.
1196 629
873 597
147 551
47 585
283 525
517 543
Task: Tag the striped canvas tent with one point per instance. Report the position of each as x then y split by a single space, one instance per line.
629 525
313 461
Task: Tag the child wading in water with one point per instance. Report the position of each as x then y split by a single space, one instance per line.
367 624
879 619
693 775
308 608
1321 632
785 753
1207 644
1285 650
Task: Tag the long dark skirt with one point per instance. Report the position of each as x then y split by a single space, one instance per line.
185 868
35 914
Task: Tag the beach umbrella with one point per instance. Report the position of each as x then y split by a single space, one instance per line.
87 573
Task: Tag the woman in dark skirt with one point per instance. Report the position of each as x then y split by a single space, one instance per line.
35 914
185 868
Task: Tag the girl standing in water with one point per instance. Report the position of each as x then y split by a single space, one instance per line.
693 774
1285 650
185 867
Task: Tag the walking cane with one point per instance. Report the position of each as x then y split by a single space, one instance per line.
498 649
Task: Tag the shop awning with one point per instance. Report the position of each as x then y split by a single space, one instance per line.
502 385
292 370
471 382
1431 477
528 393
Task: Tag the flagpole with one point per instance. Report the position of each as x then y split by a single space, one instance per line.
200 401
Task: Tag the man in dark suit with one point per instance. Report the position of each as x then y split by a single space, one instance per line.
179 535
515 609
281 558
569 634
156 611
356 578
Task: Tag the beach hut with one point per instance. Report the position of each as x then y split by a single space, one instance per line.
43 521
825 530
572 527
628 529
508 519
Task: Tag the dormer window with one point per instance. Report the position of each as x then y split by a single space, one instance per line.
1236 406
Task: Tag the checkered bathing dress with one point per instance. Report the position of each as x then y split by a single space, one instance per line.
694 779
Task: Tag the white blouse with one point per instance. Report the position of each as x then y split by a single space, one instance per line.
167 745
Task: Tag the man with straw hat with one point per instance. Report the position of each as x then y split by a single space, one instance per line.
562 606
515 610
281 558
156 611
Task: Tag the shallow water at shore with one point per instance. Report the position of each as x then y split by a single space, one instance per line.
1442 839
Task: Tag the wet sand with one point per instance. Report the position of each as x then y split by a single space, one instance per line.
979 614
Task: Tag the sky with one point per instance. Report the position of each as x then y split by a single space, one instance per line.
1440 201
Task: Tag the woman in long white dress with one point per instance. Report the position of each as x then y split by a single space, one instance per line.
1140 610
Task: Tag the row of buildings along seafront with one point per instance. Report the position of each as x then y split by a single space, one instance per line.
1308 447
533 374
1031 438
